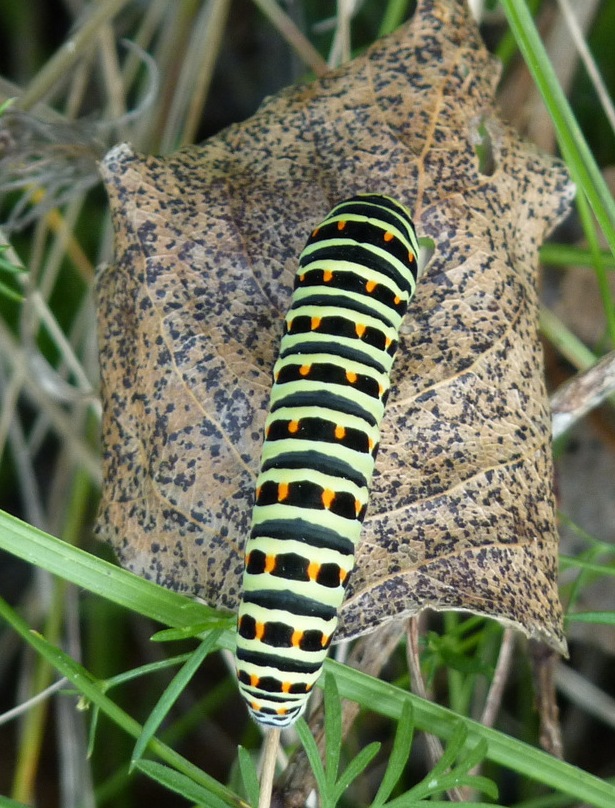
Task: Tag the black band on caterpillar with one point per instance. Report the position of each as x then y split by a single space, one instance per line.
356 277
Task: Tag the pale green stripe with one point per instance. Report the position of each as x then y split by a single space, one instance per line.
349 528
308 589
293 340
373 406
303 622
361 461
256 646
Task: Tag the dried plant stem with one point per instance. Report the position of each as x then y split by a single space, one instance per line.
196 74
270 751
543 660
72 50
500 675
304 48
59 420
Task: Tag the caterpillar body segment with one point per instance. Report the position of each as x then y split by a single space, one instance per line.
356 277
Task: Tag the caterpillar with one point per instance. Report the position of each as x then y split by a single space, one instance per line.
356 277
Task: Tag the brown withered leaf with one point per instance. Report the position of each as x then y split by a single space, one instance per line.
207 239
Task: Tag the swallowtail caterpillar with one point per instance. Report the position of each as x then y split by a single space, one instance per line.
356 277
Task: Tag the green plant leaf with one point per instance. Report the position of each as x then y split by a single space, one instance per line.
399 756
172 634
354 769
249 775
172 693
333 732
311 750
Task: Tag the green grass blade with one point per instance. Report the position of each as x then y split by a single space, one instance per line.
599 618
180 784
99 577
576 152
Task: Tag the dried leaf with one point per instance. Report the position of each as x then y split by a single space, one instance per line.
462 512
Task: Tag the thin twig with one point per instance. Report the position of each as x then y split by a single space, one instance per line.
270 752
22 708
588 60
500 675
435 750
583 393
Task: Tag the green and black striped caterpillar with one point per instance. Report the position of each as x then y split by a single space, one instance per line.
356 276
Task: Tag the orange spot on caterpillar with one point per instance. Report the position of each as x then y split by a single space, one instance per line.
286 686
302 277
370 443
305 369
397 300
380 390
282 491
313 570
341 225
388 236
352 377
328 498
259 631
387 342
296 638
411 257
343 575
359 330
254 679
370 286
340 432
315 232
357 506
293 427
258 493
327 276
315 323
281 711
270 562
254 706
324 640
